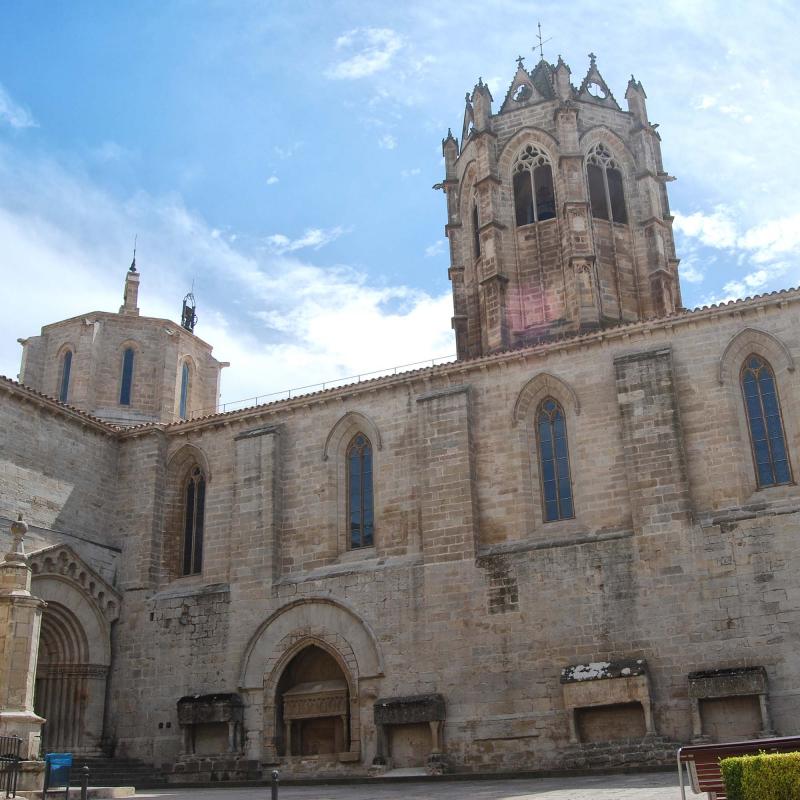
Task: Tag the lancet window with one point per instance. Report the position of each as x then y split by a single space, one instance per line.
184 397
126 384
476 229
193 522
66 368
764 421
551 434
360 509
605 185
534 199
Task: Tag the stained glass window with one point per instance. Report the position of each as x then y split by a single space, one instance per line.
66 367
360 511
764 421
534 199
184 390
554 461
127 377
193 519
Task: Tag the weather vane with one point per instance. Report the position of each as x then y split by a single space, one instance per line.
542 42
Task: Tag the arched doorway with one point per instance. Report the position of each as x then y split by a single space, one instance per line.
74 650
312 706
61 679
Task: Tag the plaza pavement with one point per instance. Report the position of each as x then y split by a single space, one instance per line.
649 786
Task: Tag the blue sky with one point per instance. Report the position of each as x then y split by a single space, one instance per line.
281 156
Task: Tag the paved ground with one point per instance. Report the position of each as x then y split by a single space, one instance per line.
651 786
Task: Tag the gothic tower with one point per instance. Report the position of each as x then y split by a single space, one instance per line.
558 217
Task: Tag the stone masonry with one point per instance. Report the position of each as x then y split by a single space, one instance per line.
602 638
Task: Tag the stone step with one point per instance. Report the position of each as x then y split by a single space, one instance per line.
94 793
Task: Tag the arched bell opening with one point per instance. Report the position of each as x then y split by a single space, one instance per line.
312 706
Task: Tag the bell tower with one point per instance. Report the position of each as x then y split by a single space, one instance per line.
557 212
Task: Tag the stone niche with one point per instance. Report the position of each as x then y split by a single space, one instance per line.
213 740
730 704
315 714
410 733
607 700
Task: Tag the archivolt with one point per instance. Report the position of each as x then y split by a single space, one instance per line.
753 340
539 387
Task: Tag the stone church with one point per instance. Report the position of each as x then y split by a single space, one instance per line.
574 546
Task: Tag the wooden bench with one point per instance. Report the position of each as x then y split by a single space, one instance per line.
701 761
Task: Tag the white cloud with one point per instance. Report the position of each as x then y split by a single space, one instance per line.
109 152
313 238
369 50
272 180
288 151
387 142
410 173
717 229
436 248
690 273
279 319
14 114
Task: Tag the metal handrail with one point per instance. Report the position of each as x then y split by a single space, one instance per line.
287 394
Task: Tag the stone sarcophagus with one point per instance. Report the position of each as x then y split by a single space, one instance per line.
620 688
392 713
212 724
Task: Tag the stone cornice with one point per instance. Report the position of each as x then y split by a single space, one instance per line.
43 401
458 370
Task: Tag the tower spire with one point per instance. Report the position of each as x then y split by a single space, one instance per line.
133 263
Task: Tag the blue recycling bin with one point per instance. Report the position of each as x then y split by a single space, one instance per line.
57 771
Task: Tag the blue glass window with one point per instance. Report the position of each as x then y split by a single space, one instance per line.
554 461
193 519
764 421
127 378
66 366
184 390
360 511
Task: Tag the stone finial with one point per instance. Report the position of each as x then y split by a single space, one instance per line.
17 553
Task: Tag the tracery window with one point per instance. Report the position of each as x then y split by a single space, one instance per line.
360 511
767 438
66 368
126 384
476 229
551 434
605 185
184 390
534 199
193 519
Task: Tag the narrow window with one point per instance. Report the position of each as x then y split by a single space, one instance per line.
476 234
194 514
184 389
764 421
554 461
66 366
360 513
606 192
523 198
597 192
127 377
534 198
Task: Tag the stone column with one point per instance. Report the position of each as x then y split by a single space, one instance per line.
20 624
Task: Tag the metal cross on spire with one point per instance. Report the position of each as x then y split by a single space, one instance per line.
542 42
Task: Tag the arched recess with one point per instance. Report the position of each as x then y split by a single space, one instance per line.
335 453
739 475
751 340
320 622
600 134
535 136
346 427
523 419
74 649
536 389
180 465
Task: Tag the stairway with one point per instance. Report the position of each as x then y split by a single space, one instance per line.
118 772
